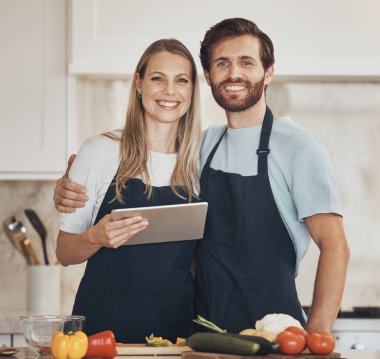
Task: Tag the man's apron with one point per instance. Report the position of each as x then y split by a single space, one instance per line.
246 260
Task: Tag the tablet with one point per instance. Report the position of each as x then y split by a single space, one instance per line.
178 222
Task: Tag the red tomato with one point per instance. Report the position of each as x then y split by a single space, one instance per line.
291 343
320 343
297 330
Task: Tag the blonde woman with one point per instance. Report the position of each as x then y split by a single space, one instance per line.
141 289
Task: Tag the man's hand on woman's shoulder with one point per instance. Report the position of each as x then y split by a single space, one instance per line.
69 195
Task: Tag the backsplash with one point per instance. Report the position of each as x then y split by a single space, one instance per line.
15 196
344 114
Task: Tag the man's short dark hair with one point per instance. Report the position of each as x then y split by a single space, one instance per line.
231 28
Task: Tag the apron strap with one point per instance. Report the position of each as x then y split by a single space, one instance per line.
204 187
263 150
212 153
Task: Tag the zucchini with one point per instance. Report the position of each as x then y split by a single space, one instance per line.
266 346
221 343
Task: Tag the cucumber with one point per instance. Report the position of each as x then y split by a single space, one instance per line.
266 346
221 343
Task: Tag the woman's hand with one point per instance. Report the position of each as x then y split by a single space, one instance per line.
114 233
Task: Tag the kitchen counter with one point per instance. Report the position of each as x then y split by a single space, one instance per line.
26 353
10 319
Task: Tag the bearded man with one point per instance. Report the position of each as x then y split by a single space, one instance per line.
270 188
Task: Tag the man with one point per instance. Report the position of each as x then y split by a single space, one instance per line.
269 186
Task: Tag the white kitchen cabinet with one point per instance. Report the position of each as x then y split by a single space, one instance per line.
311 38
32 89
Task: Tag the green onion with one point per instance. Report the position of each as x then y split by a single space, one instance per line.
210 325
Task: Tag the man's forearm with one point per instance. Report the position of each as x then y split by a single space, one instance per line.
328 288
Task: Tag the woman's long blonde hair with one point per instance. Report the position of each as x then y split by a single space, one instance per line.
134 143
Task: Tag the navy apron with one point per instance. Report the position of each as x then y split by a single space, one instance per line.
246 260
139 289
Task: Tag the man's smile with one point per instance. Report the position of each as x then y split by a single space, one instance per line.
234 88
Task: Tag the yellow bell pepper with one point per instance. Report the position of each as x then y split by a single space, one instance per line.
69 346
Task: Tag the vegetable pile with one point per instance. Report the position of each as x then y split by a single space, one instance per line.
273 333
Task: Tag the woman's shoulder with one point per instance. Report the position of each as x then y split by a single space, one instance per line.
104 143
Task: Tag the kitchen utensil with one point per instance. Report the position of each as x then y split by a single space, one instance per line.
29 253
40 228
38 329
16 232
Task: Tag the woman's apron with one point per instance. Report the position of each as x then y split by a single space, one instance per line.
141 289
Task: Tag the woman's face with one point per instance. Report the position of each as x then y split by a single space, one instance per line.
166 87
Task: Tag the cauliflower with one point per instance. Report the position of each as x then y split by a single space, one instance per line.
259 333
276 323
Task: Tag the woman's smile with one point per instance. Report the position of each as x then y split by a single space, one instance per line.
168 105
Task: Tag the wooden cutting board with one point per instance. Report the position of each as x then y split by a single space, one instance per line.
142 349
305 355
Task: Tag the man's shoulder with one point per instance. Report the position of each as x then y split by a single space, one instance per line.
294 135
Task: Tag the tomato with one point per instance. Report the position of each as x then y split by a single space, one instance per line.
320 343
297 330
291 343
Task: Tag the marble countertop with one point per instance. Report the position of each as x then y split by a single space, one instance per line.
26 353
10 320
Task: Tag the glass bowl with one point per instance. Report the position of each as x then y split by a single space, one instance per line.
39 329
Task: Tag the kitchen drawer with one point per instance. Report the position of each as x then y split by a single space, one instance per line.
19 340
357 333
14 340
5 339
357 340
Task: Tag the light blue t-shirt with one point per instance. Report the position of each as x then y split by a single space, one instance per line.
300 171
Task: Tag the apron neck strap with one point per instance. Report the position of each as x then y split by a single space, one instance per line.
263 150
212 153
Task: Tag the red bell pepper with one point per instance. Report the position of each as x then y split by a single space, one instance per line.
102 345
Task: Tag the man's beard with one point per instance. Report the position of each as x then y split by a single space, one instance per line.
234 104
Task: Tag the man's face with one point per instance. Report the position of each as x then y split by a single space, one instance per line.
237 77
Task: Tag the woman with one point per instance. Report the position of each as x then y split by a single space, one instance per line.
140 289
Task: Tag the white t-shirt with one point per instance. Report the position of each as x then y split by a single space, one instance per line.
95 166
300 171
